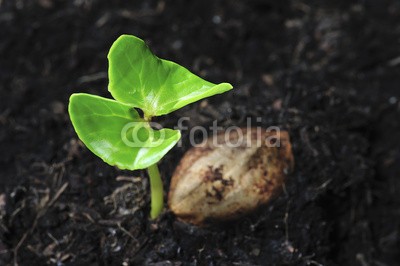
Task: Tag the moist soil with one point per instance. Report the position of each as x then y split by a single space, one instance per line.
328 72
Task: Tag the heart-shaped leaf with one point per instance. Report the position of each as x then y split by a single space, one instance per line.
141 79
116 133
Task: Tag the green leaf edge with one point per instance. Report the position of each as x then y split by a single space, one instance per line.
116 163
217 89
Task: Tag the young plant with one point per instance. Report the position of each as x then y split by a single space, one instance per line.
114 130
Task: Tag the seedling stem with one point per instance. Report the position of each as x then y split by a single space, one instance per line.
157 192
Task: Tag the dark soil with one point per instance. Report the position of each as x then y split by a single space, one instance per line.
327 72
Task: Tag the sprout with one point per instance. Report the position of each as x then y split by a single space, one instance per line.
113 129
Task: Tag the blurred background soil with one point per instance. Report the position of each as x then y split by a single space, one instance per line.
329 72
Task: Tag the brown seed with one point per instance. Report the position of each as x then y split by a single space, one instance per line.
230 174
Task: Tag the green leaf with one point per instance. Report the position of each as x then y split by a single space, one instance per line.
140 79
115 132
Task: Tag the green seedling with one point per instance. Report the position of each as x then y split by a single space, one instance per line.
115 131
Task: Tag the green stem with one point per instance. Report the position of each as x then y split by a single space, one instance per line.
156 190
